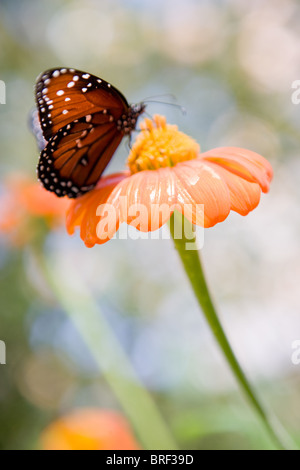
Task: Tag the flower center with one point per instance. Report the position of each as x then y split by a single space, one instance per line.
160 145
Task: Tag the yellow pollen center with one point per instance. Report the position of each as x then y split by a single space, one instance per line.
160 145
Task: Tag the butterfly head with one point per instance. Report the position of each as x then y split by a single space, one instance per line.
128 122
138 108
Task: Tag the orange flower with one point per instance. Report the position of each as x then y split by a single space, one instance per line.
21 202
168 173
89 429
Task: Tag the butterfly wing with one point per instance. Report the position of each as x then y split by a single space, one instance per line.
35 126
82 119
76 156
64 95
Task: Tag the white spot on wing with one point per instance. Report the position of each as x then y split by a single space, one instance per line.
60 92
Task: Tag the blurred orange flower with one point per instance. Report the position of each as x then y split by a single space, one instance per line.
167 173
21 202
89 429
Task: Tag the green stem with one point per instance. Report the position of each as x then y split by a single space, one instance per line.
110 357
192 264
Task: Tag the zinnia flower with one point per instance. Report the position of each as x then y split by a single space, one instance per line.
89 429
167 172
23 201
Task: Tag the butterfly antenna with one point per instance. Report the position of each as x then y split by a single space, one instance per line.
182 108
163 95
148 114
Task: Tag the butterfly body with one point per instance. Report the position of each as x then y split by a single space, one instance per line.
83 119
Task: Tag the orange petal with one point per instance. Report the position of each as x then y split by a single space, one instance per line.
84 211
76 212
247 164
146 199
198 185
244 196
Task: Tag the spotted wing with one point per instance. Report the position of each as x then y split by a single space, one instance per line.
76 156
65 95
35 126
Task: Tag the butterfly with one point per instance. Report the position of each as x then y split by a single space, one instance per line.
35 127
83 120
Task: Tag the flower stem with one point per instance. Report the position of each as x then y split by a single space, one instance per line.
109 356
192 264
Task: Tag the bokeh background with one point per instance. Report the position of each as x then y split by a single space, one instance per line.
231 64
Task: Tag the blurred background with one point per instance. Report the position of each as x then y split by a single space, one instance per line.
231 64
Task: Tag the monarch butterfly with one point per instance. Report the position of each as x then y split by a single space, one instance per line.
83 120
